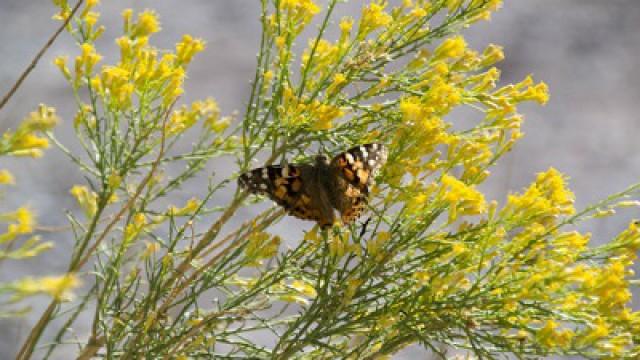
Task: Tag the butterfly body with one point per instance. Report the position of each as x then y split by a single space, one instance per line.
314 191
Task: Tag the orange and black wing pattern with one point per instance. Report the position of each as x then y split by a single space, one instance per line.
355 170
286 186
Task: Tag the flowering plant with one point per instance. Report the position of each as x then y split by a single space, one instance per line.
432 263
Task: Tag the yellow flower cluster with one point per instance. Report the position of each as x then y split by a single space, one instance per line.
87 199
547 198
206 111
373 17
261 245
25 141
21 221
296 112
134 228
58 287
297 13
188 48
299 291
141 71
461 199
189 208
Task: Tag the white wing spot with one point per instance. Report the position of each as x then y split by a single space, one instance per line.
372 163
265 173
349 158
263 186
374 146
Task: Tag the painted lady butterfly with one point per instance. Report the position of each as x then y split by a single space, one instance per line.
313 191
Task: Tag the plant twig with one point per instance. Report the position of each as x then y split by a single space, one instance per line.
38 56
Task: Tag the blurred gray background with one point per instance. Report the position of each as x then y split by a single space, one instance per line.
588 51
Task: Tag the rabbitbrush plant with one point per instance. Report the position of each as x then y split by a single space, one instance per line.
431 263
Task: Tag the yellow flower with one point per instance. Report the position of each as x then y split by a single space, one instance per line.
312 235
87 200
597 331
451 48
304 288
6 178
190 207
324 114
300 12
85 62
461 198
419 12
261 245
572 242
550 337
338 81
146 24
188 48
373 17
453 5
126 17
134 228
346 24
58 287
116 80
491 55
151 247
61 63
543 200
30 141
22 222
374 246
44 119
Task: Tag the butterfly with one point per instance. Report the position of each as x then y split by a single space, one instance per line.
314 191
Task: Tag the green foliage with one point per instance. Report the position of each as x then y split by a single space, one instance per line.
431 263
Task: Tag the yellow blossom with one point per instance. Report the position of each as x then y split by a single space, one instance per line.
261 245
418 12
43 119
300 12
188 48
551 338
127 14
461 198
134 228
451 48
85 62
304 288
491 55
338 81
6 178
542 201
373 17
375 246
190 207
58 287
61 63
146 24
87 200
21 222
324 115
346 24
597 331
453 5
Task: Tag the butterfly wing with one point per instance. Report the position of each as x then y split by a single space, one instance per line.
354 172
288 186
